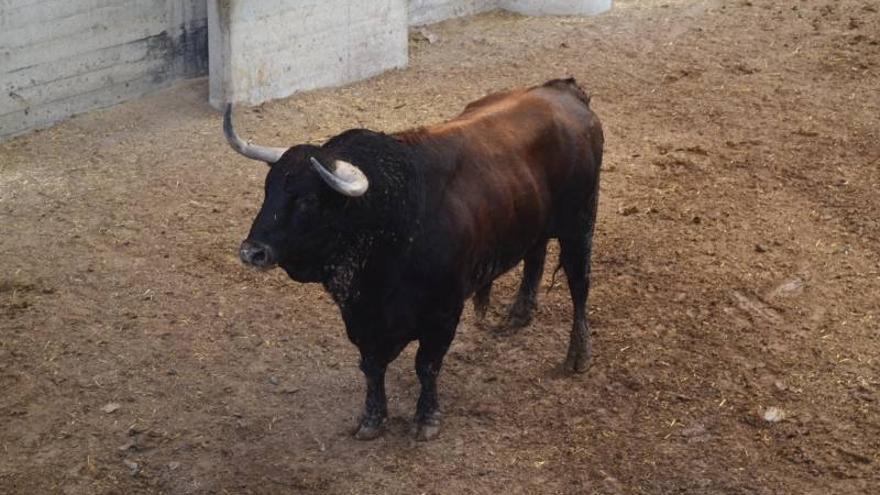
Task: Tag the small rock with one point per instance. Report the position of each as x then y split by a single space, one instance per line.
173 465
628 210
127 446
854 457
111 407
773 415
290 390
135 429
790 287
694 431
696 220
424 35
757 308
760 248
133 467
273 380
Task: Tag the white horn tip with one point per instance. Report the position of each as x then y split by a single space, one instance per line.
345 179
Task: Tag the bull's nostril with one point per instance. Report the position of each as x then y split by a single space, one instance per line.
256 254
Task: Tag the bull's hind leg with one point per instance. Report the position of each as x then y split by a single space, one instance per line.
574 256
523 309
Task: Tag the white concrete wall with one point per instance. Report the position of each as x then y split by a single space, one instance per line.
261 50
62 57
556 7
428 11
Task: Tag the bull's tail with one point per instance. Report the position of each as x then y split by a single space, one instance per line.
553 277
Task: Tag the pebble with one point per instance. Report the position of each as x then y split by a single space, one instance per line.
774 415
127 446
694 431
133 467
628 210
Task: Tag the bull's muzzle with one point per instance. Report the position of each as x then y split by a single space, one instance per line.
257 254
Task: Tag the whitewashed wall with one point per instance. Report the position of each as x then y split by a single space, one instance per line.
273 48
62 57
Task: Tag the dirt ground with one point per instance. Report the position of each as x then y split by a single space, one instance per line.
737 269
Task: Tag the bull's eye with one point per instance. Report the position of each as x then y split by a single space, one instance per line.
306 202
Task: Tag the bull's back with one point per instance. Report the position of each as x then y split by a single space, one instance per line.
523 161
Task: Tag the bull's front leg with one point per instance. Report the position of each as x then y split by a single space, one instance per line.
427 420
376 404
429 359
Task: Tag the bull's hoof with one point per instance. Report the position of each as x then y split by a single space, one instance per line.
424 433
427 428
517 321
577 363
520 315
512 325
369 429
480 312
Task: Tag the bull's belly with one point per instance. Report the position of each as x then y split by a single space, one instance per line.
497 260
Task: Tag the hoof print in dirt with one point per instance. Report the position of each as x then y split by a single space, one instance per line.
517 321
504 330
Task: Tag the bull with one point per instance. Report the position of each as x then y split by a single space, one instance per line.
401 229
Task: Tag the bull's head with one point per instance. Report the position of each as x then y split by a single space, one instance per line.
302 208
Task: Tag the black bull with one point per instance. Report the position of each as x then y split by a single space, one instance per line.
402 228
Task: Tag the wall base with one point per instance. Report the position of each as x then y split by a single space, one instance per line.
557 7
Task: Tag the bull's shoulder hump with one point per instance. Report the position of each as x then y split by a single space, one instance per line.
569 87
493 101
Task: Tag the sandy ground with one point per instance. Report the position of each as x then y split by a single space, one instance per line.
737 269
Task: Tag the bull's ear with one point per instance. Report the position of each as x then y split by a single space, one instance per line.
345 178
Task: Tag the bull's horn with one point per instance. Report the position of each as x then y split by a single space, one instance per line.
345 179
262 153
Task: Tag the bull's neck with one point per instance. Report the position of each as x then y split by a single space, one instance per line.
381 224
364 264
